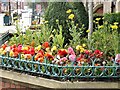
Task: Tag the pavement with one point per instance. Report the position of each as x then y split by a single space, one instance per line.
10 29
25 21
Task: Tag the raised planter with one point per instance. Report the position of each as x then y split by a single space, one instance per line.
61 72
45 84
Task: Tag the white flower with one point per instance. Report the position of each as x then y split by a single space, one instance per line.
103 62
82 62
7 49
58 57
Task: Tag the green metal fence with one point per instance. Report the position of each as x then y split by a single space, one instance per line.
71 71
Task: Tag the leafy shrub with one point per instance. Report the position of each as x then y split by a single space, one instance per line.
57 11
105 38
112 17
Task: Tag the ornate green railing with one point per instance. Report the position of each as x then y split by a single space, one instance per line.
57 71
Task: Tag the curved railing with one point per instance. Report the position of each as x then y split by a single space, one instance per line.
69 71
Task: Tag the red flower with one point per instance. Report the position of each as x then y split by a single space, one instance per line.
45 45
62 53
98 53
80 57
41 52
31 51
49 56
25 52
13 46
87 52
4 46
16 54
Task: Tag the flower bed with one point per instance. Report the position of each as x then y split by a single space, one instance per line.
59 63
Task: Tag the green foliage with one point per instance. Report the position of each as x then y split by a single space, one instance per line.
80 13
76 33
112 17
105 39
38 37
58 40
57 10
95 16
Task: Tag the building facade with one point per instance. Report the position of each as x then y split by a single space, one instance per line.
106 6
14 4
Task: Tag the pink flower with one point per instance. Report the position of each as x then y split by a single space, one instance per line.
63 59
20 48
71 51
72 58
117 58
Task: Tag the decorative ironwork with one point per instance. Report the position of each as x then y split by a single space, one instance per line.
71 71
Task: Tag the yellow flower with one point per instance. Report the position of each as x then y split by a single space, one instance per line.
97 19
51 36
83 45
17 21
22 55
82 50
43 20
69 11
48 49
106 22
114 26
71 16
96 22
76 25
25 48
54 48
4 52
103 18
46 21
57 20
11 53
115 23
100 27
38 48
77 47
88 31
1 50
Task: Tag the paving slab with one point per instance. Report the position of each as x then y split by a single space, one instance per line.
10 29
53 84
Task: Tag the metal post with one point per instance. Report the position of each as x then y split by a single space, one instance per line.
17 6
9 8
33 11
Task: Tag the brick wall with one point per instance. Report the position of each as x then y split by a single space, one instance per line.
11 86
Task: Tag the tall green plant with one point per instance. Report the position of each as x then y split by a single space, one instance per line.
105 38
57 10
58 39
76 33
